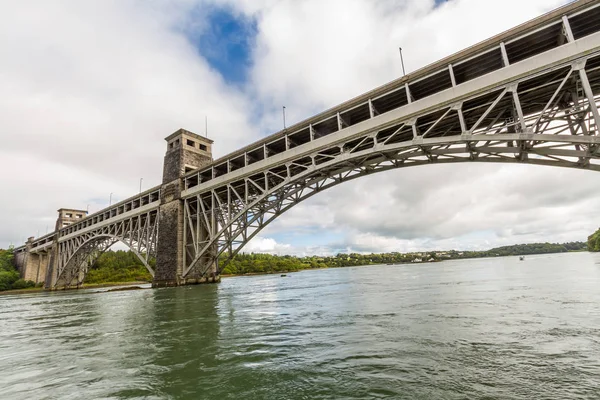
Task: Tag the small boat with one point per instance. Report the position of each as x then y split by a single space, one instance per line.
283 275
521 258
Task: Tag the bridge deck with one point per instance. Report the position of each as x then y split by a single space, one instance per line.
139 203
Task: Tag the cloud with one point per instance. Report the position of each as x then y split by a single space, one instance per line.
267 245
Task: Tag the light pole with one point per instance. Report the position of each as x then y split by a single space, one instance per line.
110 200
141 179
284 127
402 61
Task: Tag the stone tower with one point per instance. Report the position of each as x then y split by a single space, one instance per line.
186 151
47 269
67 216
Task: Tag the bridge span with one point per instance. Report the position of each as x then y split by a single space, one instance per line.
529 95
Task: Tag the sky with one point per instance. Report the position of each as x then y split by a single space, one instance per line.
90 89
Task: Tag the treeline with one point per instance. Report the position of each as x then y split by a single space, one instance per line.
267 263
118 266
9 276
536 248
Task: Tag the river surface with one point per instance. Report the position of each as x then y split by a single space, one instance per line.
473 329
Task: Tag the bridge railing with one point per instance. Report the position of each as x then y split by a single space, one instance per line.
548 32
126 207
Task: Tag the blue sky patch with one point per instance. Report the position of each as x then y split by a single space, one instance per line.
226 42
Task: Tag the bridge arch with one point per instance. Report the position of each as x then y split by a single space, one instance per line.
271 204
78 252
75 270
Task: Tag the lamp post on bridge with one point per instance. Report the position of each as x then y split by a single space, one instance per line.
402 61
141 179
110 200
283 109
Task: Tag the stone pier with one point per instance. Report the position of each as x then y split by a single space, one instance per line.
32 266
186 151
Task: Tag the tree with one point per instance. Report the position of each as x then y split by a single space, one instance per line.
594 241
8 273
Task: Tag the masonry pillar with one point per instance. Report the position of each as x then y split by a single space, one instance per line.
40 276
33 266
66 217
20 258
51 276
29 261
186 151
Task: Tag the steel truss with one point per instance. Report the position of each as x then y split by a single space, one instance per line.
550 118
77 254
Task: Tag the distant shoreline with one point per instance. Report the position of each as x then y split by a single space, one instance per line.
472 256
397 263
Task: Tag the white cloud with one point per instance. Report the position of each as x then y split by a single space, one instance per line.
261 244
266 245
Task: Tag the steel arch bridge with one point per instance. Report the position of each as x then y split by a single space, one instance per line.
530 95
78 252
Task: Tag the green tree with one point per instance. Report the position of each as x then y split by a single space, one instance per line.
8 273
593 242
118 266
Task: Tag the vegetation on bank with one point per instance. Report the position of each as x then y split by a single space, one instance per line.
266 263
593 242
118 266
9 276
124 266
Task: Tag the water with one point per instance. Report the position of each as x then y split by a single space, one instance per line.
476 329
